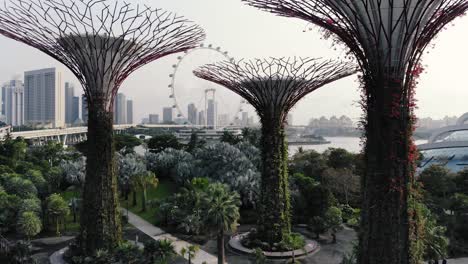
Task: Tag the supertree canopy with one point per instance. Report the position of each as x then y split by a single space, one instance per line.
388 38
273 87
102 42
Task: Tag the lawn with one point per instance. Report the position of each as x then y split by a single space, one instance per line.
165 188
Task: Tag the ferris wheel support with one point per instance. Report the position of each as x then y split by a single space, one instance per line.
173 91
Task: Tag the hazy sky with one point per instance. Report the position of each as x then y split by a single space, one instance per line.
249 33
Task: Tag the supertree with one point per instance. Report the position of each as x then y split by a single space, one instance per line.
102 42
388 39
273 87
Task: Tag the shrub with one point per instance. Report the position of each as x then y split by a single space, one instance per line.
29 224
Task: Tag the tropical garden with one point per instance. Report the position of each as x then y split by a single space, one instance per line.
201 190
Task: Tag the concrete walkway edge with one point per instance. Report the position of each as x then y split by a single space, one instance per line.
158 234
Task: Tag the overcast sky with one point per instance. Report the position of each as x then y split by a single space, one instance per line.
246 32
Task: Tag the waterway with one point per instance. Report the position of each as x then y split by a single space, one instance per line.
351 144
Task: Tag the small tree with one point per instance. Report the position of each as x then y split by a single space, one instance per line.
29 224
222 213
334 220
159 250
58 209
318 225
191 252
143 181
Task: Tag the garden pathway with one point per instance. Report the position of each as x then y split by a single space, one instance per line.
158 234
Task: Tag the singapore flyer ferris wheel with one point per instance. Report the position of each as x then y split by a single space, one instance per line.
217 95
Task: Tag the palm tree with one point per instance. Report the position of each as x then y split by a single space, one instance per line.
143 181
191 251
161 250
222 213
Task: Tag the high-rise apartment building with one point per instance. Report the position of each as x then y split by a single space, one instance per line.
167 115
13 103
223 119
44 104
120 109
192 113
69 94
211 114
129 111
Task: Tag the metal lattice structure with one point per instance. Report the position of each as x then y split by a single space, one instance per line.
173 76
95 38
388 39
273 87
102 42
282 81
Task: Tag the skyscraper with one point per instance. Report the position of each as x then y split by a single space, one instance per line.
69 94
211 114
192 113
76 109
120 109
167 115
13 103
84 109
201 118
153 119
44 98
129 111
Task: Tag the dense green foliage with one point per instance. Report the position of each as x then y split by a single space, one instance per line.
161 142
199 206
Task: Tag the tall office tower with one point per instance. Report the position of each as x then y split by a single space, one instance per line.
201 118
212 113
44 102
167 115
84 109
129 111
245 119
69 94
13 103
120 109
153 119
76 110
4 101
192 113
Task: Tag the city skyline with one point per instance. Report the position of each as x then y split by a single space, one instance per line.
273 36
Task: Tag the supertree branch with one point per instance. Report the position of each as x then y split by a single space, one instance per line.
275 82
102 42
387 39
96 38
273 86
364 27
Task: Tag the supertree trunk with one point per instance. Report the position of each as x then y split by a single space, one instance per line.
100 216
273 87
275 220
384 236
101 42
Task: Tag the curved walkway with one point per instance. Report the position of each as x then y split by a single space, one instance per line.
158 234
